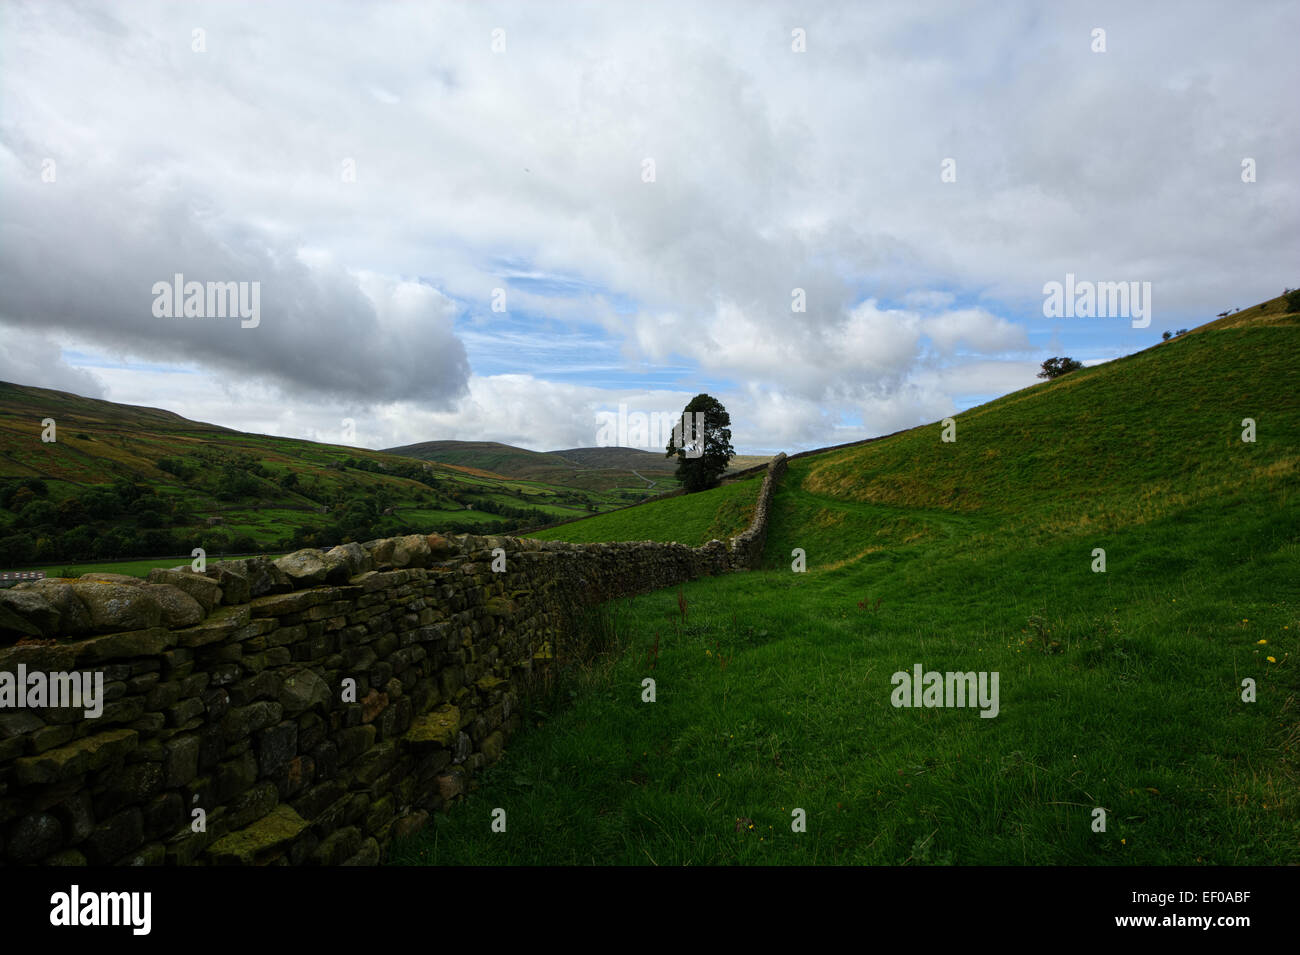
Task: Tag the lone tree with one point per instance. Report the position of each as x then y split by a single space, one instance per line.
1056 367
702 443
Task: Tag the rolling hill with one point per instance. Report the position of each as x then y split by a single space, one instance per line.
1112 544
600 469
120 481
589 468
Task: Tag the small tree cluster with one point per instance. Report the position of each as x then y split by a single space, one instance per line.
1056 367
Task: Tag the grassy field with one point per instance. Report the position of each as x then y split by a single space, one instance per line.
691 519
1119 690
132 568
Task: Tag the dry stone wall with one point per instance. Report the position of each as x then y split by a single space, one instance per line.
299 711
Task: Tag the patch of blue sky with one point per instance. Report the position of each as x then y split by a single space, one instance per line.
80 359
964 402
524 343
552 285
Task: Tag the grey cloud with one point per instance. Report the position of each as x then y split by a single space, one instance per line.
91 265
29 358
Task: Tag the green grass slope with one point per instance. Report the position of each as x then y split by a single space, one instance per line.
1119 690
691 519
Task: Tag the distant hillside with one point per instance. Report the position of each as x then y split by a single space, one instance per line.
626 458
124 481
593 469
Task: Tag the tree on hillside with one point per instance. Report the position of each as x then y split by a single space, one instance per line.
1056 367
702 443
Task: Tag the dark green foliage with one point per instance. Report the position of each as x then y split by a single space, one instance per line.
16 549
177 466
702 472
1056 367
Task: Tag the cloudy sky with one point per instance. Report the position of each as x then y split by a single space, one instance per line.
496 220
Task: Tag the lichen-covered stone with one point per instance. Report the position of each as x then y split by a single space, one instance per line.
117 606
411 551
32 610
73 617
80 756
263 576
202 589
104 577
438 728
499 607
35 654
346 561
302 689
256 842
179 608
304 567
280 605
124 646
220 625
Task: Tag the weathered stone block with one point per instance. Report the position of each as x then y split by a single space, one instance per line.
257 842
33 837
117 606
304 567
276 746
115 837
242 721
221 624
181 764
80 756
179 609
338 846
121 646
438 728
202 589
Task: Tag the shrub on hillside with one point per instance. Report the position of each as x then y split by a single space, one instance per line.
1292 296
1056 367
177 467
